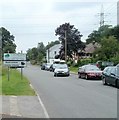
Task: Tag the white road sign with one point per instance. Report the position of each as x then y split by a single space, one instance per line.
15 59
14 56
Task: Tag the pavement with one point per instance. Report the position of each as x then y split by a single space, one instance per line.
21 107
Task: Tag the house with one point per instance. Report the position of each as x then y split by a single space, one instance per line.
52 52
89 50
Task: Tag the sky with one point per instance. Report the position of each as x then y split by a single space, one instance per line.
34 21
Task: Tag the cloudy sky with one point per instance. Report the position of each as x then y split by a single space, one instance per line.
33 21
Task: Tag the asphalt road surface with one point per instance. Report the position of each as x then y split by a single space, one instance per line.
71 97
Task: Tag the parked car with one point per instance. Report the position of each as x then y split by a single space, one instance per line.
89 71
47 66
110 76
61 70
43 66
103 64
52 67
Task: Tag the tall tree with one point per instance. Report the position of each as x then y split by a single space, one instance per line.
103 31
41 49
73 37
7 41
109 48
115 32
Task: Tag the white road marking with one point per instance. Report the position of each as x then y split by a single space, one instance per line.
41 103
14 106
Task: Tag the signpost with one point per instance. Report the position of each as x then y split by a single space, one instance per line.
15 60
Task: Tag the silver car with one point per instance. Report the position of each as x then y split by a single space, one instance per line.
61 70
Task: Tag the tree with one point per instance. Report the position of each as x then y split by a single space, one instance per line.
52 43
109 48
115 32
41 49
32 54
7 41
73 37
97 35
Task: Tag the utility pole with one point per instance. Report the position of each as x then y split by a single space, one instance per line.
48 53
102 17
65 45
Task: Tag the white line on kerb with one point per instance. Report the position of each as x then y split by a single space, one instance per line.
42 105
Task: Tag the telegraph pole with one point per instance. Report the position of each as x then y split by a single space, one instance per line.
65 45
48 53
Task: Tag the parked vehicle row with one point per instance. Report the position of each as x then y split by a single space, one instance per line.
59 68
109 76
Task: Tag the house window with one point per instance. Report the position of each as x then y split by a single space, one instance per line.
55 52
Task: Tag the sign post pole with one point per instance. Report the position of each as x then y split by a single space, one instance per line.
8 73
21 73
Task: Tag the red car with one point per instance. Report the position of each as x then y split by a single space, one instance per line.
89 71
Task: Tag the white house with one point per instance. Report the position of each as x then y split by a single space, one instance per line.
52 52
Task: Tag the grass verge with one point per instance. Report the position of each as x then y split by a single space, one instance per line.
15 86
74 69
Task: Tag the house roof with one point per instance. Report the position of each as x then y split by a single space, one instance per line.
90 48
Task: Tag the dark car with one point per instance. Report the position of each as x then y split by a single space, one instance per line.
47 66
89 71
110 76
43 66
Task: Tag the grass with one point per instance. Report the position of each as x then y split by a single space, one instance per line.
15 86
74 69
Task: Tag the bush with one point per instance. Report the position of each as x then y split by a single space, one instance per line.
115 60
33 62
83 62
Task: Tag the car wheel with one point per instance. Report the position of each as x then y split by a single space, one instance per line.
117 84
54 75
104 81
86 77
79 76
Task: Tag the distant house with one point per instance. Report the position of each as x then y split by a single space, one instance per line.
89 50
52 52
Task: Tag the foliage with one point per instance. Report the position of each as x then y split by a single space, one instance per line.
109 48
103 31
7 41
36 55
115 32
52 43
73 38
41 49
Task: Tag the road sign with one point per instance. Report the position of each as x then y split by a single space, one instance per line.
15 63
14 57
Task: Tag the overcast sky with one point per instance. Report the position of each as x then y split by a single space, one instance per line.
34 21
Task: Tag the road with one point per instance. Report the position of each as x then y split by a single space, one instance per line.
71 97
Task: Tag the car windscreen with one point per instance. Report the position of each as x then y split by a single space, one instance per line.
61 66
49 64
92 68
